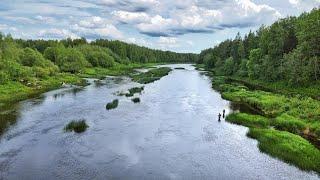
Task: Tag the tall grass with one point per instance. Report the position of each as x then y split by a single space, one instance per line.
76 126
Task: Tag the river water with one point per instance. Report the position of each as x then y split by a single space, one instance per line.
172 134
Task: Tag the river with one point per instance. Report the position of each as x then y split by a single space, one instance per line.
172 134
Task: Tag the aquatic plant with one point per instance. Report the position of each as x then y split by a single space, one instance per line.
134 90
135 100
76 126
181 68
112 105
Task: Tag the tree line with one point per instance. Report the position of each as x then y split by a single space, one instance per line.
288 50
26 59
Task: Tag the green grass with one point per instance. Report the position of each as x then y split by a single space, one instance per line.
134 90
112 105
289 123
288 147
15 91
151 76
76 126
248 120
135 100
179 68
117 70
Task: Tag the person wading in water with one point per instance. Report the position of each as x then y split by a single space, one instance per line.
224 112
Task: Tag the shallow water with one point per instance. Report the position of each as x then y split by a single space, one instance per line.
172 134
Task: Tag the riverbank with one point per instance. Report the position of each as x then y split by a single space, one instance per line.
288 126
15 91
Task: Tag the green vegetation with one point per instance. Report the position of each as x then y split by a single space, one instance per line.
76 126
30 67
134 90
285 53
135 100
112 105
248 120
288 147
151 76
180 68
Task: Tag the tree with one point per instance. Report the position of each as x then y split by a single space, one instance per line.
254 63
71 60
229 66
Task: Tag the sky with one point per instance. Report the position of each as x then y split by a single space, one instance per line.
176 25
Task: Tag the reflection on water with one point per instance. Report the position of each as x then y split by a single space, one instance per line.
173 133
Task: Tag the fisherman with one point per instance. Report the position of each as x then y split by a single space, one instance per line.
224 113
219 117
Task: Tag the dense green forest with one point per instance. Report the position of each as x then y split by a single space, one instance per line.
286 51
21 60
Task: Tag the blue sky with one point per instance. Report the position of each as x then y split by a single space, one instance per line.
176 25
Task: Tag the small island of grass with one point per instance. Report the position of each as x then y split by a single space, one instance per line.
136 100
151 76
112 105
76 126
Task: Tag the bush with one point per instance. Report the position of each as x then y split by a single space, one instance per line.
134 90
76 126
71 60
112 105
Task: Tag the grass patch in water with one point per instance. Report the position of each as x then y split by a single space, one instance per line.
288 147
248 120
181 68
134 90
112 105
151 76
76 126
136 100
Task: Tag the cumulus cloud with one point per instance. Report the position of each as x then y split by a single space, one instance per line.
96 27
194 17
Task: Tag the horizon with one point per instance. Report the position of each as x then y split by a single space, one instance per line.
184 27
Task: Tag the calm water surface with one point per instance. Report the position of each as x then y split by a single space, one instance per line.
172 134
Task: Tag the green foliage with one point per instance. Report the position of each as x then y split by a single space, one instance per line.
112 105
229 66
288 147
286 51
71 60
151 76
248 120
76 126
97 56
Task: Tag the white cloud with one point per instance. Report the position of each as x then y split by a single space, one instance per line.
55 33
131 17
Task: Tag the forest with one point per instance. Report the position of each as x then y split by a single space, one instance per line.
287 51
33 66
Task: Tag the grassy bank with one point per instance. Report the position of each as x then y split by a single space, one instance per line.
14 91
288 127
288 147
151 76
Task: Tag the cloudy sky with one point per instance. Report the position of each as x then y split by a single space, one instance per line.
177 25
